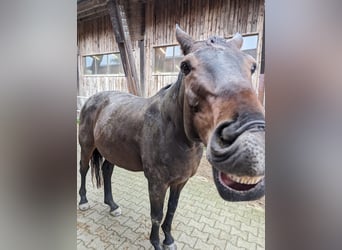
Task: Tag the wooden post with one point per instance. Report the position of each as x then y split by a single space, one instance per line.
122 37
142 67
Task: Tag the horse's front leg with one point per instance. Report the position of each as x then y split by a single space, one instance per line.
171 208
157 193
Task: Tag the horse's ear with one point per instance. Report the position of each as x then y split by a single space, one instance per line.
237 40
184 40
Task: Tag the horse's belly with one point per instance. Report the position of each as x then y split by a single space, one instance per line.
121 157
116 141
120 149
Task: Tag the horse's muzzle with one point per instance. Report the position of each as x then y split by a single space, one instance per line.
237 154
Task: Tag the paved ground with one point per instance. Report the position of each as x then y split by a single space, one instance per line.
202 220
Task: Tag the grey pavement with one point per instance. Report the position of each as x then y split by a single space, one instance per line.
202 220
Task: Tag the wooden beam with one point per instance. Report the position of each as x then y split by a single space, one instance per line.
142 67
123 39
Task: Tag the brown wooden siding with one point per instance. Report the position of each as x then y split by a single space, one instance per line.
203 18
200 18
94 84
96 36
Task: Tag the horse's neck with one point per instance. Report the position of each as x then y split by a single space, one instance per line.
172 101
172 104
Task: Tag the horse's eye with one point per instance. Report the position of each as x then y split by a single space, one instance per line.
195 108
253 68
185 68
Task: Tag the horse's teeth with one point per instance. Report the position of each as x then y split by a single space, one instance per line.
246 179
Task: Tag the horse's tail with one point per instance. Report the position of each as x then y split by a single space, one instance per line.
96 162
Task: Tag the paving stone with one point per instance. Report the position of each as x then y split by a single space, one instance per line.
243 220
86 237
107 221
246 244
206 212
202 245
185 238
201 235
250 229
81 245
230 246
206 220
126 245
202 220
95 216
102 232
233 223
181 245
213 210
258 240
196 224
211 230
146 244
260 247
231 240
97 243
239 233
212 240
133 236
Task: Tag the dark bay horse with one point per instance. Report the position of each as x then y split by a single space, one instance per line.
211 103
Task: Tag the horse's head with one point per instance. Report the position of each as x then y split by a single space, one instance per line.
222 110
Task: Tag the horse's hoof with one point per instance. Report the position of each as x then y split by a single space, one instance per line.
170 247
84 206
116 212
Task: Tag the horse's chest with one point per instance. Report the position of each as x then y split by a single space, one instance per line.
172 164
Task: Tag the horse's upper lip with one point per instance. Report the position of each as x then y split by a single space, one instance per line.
221 153
252 126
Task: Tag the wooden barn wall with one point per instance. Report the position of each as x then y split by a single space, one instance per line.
96 36
201 19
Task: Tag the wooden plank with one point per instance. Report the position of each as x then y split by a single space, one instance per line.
206 19
260 26
125 46
261 89
249 17
142 67
148 38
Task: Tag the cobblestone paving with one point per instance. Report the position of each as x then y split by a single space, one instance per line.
202 220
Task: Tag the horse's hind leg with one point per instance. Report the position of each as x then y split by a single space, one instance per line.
107 171
84 167
175 190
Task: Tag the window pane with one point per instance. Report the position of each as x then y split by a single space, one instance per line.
169 52
103 64
178 51
88 65
159 58
115 64
167 59
178 58
250 44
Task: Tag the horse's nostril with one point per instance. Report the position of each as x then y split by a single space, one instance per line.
228 135
228 132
